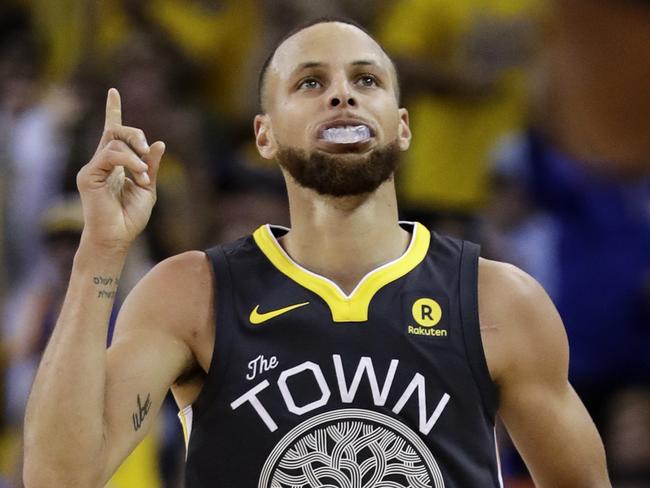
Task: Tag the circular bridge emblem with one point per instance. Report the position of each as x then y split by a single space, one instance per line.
351 448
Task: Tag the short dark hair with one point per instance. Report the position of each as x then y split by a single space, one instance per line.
320 20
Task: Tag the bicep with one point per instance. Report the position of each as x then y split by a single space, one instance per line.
542 413
141 367
150 350
555 435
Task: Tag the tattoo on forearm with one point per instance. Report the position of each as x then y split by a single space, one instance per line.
105 294
143 410
106 286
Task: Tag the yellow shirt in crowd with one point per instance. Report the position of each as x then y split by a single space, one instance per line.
448 164
219 36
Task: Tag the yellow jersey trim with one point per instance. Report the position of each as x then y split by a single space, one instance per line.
344 307
182 415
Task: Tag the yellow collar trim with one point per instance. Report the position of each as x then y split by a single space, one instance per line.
352 307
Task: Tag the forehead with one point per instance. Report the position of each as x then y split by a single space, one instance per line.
331 43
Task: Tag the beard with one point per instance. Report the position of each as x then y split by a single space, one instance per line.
340 175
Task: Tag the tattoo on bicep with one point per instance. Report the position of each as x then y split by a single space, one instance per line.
143 410
106 286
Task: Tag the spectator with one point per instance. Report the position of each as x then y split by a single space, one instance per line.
153 93
33 324
517 229
597 98
28 328
604 266
32 171
221 37
597 257
463 71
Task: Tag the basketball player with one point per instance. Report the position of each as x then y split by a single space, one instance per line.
349 350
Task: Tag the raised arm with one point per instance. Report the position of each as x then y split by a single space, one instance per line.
84 400
528 355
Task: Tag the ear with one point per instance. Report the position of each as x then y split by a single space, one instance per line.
264 139
404 131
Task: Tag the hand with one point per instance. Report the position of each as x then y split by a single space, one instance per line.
117 207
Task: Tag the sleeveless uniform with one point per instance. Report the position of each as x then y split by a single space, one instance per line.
310 387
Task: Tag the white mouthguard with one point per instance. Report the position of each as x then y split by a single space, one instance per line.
346 135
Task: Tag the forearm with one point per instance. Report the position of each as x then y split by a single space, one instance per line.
64 423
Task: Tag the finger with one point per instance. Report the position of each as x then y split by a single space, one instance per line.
132 136
115 180
109 163
134 171
142 179
117 150
113 109
137 166
153 160
129 160
117 145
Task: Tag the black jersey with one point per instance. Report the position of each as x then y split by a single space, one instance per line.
311 387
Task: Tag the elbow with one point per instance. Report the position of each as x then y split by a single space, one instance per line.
39 473
51 461
40 480
32 478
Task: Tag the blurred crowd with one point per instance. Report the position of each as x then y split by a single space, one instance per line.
531 137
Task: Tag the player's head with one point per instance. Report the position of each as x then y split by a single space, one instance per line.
330 109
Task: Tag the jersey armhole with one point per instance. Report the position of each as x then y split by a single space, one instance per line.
470 323
222 283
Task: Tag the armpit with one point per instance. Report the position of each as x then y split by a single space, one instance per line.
192 374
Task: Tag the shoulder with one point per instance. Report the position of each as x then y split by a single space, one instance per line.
185 269
504 281
505 290
176 295
521 329
184 276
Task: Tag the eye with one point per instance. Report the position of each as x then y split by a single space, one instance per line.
367 80
309 84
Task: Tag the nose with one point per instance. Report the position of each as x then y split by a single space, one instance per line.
346 101
341 95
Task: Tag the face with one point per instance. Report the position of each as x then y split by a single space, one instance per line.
332 114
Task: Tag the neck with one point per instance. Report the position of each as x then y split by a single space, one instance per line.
344 238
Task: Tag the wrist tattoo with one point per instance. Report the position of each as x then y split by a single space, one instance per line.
143 409
106 286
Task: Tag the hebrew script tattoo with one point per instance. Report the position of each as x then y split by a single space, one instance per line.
143 409
106 286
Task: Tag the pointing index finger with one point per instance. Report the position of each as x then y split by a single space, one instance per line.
113 109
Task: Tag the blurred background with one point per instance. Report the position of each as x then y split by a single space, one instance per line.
531 124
